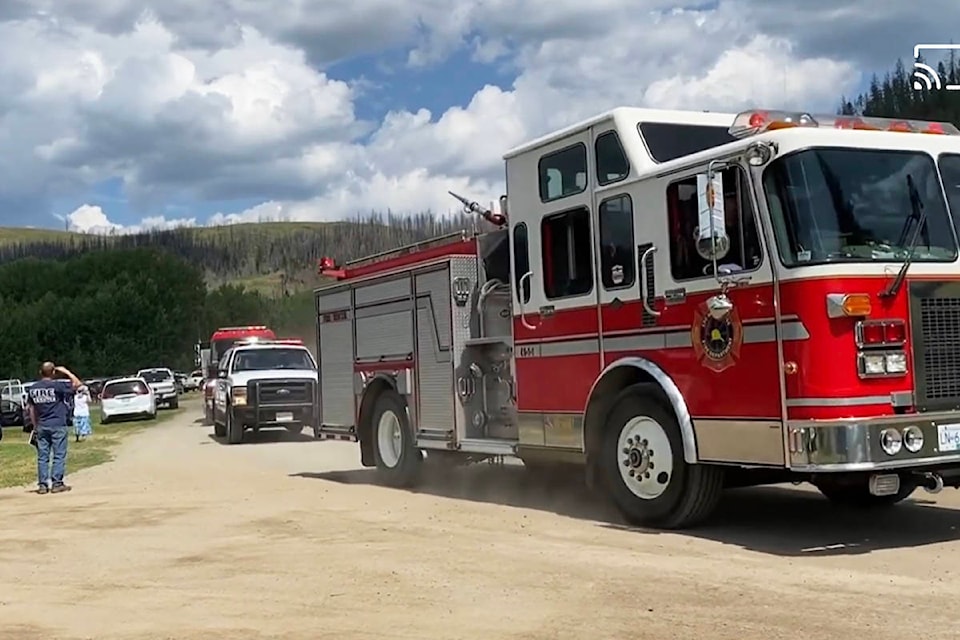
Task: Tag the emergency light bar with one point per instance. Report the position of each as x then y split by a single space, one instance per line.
254 340
751 123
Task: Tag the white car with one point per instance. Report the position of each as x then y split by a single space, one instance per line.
129 397
193 381
163 384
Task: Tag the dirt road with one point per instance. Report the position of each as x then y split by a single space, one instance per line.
182 537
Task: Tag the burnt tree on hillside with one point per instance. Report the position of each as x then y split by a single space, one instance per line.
231 252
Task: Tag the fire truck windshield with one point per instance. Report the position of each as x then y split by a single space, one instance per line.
857 205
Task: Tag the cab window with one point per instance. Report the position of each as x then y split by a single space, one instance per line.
567 259
563 173
617 262
682 207
521 260
612 163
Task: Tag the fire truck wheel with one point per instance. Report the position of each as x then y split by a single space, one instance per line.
395 452
643 463
858 495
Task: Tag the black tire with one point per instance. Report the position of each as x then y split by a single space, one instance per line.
219 429
175 403
295 429
405 468
858 495
691 491
208 417
233 428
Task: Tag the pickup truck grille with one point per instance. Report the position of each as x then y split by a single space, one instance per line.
935 320
283 392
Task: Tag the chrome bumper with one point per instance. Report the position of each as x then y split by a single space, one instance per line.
853 444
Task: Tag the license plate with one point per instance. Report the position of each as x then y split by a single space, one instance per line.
948 437
285 417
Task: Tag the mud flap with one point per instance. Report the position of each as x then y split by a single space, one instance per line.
328 432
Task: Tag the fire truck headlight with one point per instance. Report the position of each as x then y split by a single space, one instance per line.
874 364
913 439
896 362
891 441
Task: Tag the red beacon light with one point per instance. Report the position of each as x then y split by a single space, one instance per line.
327 266
750 123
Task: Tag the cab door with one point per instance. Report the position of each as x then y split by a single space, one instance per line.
221 389
727 369
555 313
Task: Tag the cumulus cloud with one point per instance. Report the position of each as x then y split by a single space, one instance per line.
234 100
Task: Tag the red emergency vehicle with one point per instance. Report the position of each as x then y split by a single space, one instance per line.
681 302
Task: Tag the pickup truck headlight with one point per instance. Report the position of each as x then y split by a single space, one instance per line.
238 395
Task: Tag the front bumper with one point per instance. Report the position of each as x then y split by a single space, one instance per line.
274 415
853 444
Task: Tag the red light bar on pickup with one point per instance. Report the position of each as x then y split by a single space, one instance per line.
751 123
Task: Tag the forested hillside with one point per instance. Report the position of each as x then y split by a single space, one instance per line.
274 258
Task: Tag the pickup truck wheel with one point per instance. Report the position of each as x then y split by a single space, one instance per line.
233 428
295 429
219 429
395 452
642 461
175 403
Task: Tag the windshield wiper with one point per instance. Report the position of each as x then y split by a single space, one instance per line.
918 212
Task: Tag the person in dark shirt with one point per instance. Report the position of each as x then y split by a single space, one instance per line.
48 401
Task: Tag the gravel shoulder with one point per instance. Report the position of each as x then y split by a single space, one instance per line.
183 537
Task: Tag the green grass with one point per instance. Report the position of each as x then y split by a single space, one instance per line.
18 459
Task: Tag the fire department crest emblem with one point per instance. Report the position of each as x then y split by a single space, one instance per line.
716 343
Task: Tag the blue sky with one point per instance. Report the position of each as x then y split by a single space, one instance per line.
190 114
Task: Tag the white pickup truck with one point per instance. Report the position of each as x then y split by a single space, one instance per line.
164 386
265 384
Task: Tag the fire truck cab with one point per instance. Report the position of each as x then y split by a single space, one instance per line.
680 302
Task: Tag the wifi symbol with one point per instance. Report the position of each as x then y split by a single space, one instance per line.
925 77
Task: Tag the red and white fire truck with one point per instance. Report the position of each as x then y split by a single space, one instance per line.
221 340
680 302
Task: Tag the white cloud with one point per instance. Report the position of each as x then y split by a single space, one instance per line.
230 100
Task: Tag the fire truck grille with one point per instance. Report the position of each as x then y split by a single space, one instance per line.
284 392
935 319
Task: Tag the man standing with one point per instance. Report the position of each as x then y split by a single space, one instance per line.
47 401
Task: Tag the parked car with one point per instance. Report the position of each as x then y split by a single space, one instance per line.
11 413
128 397
163 384
193 381
178 381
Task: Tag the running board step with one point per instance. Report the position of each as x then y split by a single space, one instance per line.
328 432
489 446
436 438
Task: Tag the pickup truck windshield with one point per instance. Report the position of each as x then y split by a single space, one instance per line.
156 376
267 359
857 205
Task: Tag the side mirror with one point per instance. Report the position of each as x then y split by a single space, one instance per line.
713 243
221 373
